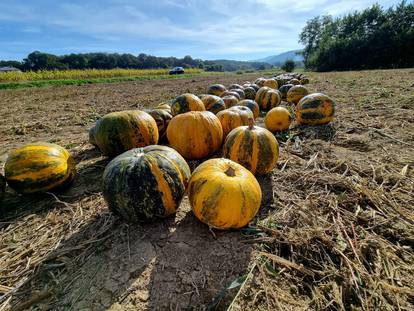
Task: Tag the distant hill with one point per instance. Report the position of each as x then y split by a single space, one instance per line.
234 65
281 58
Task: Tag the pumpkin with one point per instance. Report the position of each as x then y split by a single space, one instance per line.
294 81
223 194
253 147
162 118
284 89
39 167
315 109
92 131
216 89
304 81
234 117
241 93
250 93
295 93
144 184
268 98
252 105
213 103
230 93
2 186
278 119
120 131
186 102
164 106
255 86
235 86
230 101
272 83
195 134
279 81
259 82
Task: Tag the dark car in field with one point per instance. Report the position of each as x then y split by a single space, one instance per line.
177 71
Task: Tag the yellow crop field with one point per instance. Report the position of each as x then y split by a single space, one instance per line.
84 74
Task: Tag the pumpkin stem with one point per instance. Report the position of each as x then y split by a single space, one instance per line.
231 172
251 123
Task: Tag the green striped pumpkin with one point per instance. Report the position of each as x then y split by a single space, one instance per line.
216 89
2 186
295 93
185 103
162 118
231 93
268 98
120 131
39 167
284 89
252 105
241 93
253 147
315 109
145 184
213 103
250 93
230 101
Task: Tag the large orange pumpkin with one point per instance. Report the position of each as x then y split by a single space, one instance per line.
234 117
268 98
253 147
223 194
195 134
186 102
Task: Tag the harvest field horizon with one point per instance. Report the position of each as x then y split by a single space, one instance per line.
282 180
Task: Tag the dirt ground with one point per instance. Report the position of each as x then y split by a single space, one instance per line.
335 229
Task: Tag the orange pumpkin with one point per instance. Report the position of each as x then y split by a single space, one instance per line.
272 83
296 93
213 103
234 117
268 98
278 119
195 134
230 101
216 89
186 102
254 107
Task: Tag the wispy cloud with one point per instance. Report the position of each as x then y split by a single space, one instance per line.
208 29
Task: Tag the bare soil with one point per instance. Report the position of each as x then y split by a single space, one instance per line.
335 229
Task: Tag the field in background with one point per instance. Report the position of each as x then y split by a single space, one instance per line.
84 74
334 231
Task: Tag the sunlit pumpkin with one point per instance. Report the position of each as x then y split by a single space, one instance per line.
195 134
39 167
223 194
253 147
162 118
268 98
278 119
284 89
294 82
120 131
186 102
213 103
250 93
233 117
231 93
252 105
295 93
145 184
235 86
230 101
241 93
216 89
164 106
272 83
315 109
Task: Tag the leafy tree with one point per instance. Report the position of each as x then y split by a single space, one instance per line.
372 38
288 66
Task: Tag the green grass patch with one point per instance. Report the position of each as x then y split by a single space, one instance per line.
49 83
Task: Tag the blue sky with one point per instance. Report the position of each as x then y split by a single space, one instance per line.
209 29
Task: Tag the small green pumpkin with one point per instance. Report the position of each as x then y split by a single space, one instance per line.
250 93
162 118
185 103
216 89
252 105
213 103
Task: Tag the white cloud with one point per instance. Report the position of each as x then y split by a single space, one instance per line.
211 28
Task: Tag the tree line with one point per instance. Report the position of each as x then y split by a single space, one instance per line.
44 61
369 39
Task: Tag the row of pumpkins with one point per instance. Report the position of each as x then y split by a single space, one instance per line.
146 181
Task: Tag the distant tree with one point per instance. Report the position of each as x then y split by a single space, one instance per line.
372 38
288 65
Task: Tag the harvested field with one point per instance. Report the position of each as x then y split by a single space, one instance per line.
335 230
